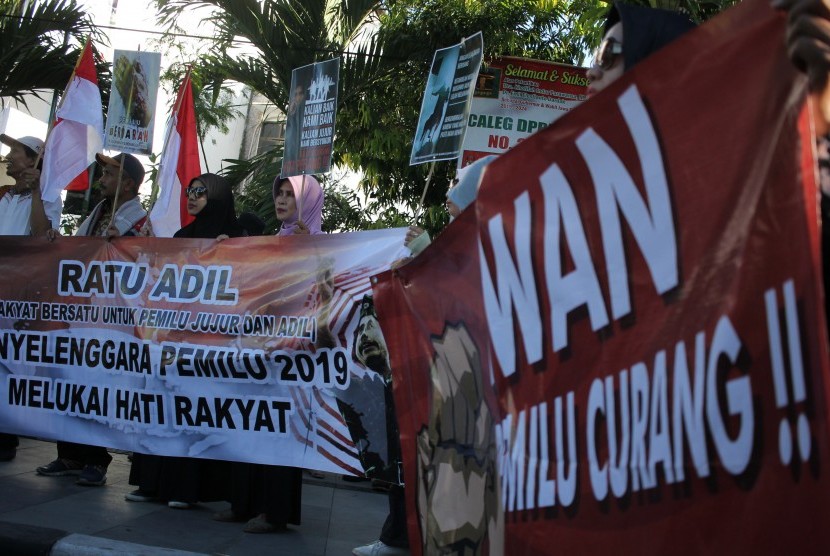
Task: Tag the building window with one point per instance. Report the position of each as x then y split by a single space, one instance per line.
271 135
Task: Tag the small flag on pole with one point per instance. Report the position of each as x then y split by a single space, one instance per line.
179 164
78 132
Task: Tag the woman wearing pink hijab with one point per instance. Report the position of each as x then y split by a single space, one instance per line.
299 205
269 497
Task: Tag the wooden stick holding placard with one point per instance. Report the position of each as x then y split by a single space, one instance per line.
424 193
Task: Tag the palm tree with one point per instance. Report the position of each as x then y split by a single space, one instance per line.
278 36
35 52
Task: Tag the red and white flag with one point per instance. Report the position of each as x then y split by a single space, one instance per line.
179 165
78 132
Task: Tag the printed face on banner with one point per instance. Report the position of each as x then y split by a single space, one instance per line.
446 101
132 107
514 98
309 127
369 344
178 350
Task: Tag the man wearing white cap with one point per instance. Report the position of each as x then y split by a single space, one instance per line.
20 207
17 201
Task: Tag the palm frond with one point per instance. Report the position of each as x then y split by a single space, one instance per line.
40 45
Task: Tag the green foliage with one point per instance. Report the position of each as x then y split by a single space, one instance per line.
213 100
386 48
283 35
375 133
34 52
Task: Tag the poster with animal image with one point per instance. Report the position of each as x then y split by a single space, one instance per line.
446 103
132 107
309 125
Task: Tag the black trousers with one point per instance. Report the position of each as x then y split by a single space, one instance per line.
88 455
394 528
8 441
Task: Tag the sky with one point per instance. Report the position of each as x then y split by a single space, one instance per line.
132 25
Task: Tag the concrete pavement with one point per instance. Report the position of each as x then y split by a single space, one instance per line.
53 515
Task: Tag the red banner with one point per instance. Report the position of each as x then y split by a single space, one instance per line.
622 347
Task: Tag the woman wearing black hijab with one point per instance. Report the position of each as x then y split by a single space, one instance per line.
210 201
632 33
182 482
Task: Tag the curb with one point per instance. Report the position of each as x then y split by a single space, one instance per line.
86 545
29 540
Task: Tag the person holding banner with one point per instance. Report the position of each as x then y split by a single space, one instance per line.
649 29
394 539
464 190
120 181
119 213
179 481
269 497
461 194
808 44
298 201
632 34
252 223
371 351
20 206
210 201
644 30
444 461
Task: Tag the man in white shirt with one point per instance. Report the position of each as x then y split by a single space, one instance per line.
17 217
120 179
17 213
120 194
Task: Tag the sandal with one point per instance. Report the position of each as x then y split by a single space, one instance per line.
260 525
228 516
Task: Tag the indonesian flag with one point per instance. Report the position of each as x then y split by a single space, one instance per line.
179 164
78 132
